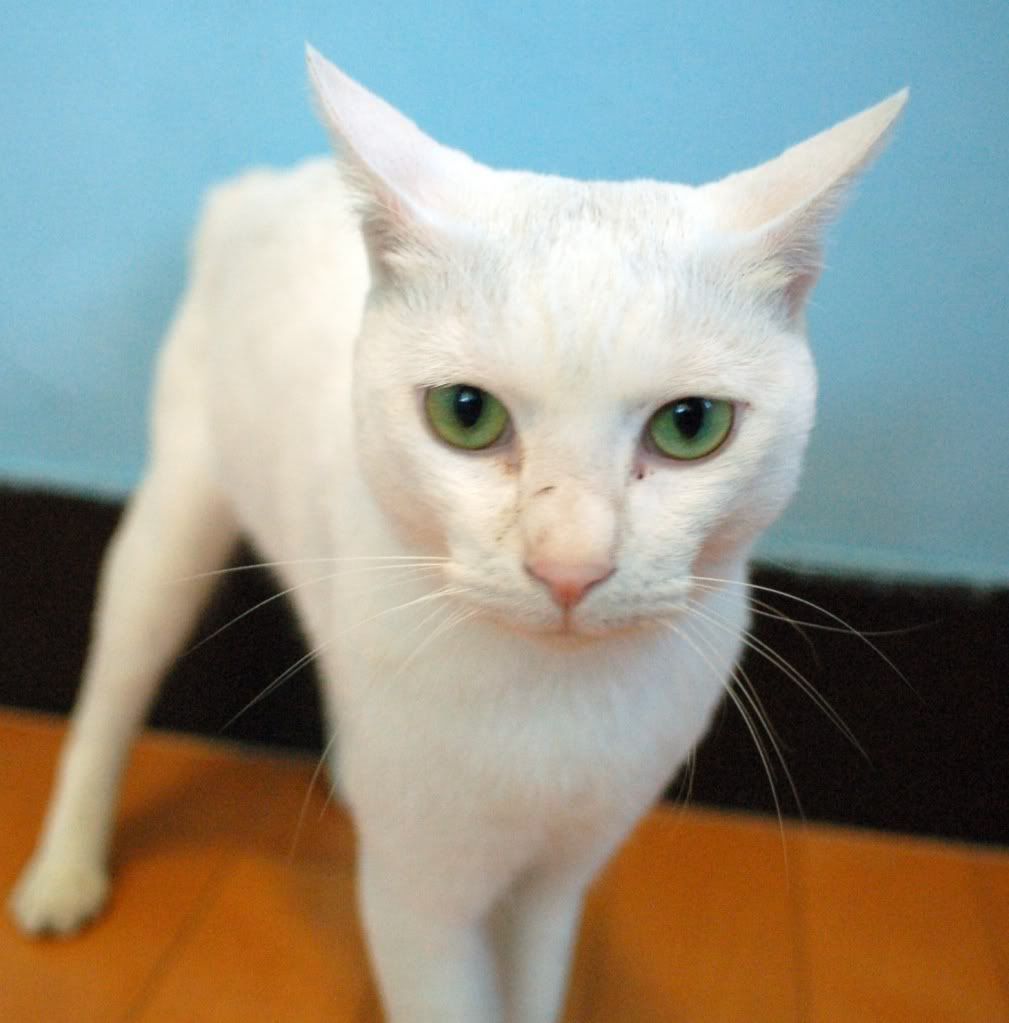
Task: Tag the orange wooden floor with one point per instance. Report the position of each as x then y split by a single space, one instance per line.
699 919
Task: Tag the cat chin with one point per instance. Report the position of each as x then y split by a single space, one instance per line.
579 636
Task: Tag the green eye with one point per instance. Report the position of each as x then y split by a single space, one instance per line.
465 416
690 428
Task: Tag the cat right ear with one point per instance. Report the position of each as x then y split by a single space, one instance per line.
778 212
407 184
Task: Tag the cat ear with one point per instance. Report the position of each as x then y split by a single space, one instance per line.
782 207
408 185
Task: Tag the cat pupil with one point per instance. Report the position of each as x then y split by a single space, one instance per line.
689 416
468 406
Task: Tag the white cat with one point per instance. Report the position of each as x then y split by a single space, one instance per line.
509 439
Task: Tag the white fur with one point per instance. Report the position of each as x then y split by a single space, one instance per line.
494 746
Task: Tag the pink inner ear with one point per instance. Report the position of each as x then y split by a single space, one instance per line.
797 291
408 172
797 248
782 207
812 176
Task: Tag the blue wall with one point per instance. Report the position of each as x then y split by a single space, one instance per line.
115 116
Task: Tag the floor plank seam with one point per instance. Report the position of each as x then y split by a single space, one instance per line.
799 915
201 907
875 926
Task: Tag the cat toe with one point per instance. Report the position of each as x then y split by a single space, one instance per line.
58 897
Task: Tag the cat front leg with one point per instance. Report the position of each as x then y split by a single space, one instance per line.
176 526
534 929
433 964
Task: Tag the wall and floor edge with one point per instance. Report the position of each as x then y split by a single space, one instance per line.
934 742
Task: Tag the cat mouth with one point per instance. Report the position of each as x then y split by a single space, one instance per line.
567 628
591 621
577 629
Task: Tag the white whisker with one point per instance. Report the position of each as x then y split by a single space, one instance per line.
752 697
750 727
768 610
771 655
449 623
405 559
445 591
453 619
774 612
418 572
320 764
845 626
287 673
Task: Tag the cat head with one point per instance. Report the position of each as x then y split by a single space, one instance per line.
585 394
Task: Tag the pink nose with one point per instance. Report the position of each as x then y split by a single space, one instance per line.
569 583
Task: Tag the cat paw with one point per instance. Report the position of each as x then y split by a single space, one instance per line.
58 896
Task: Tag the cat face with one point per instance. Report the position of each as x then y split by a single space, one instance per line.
573 518
583 394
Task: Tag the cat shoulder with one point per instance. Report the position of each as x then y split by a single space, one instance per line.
266 207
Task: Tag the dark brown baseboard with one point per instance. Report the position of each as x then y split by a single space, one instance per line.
936 746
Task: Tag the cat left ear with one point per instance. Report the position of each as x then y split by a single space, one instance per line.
782 208
408 184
